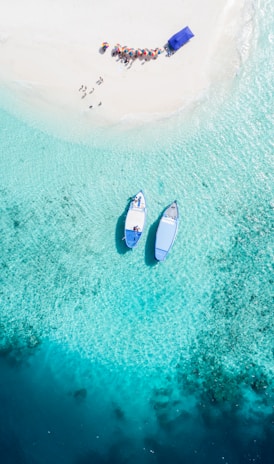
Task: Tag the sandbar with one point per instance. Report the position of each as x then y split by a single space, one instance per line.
49 50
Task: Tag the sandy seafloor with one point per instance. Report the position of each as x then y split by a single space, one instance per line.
106 356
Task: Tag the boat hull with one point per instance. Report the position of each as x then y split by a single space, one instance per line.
135 220
166 232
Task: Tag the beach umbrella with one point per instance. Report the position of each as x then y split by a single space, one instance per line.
139 52
144 52
105 45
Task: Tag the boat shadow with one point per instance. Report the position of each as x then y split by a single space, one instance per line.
150 243
120 232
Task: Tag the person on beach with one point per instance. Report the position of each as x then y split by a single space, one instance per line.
92 90
84 95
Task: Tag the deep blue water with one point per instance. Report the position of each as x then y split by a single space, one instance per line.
106 357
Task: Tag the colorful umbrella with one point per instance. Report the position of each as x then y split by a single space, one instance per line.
105 45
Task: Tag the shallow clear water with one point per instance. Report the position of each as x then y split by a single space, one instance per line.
106 356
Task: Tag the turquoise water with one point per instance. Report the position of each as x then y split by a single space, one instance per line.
106 356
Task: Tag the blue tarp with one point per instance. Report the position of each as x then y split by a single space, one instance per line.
179 39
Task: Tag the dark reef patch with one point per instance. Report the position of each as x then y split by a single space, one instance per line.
118 412
80 395
16 353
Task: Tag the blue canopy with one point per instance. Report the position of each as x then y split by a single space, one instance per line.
179 39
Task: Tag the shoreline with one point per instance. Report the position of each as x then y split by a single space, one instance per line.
44 60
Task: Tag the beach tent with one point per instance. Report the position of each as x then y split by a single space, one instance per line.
179 39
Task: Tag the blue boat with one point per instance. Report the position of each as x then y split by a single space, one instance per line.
166 231
135 220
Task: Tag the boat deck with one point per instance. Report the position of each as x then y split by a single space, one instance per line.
172 212
135 218
166 234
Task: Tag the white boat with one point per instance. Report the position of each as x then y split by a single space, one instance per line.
135 220
166 231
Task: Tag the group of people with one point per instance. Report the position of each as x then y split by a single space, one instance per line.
126 54
85 90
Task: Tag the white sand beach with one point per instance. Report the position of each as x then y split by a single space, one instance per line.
49 49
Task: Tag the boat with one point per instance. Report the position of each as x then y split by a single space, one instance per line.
166 231
135 220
